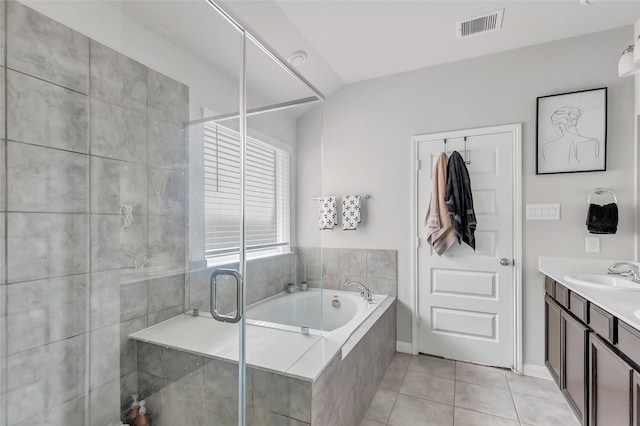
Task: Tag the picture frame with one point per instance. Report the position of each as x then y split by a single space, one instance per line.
571 132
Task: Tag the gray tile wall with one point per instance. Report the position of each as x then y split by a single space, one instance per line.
88 130
182 388
331 268
265 277
345 389
3 208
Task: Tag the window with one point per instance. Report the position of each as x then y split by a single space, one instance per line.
267 202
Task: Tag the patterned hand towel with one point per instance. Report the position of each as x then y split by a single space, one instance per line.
351 216
328 213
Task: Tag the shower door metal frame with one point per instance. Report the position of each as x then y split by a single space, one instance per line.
242 114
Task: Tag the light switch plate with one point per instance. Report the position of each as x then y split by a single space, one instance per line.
543 211
592 244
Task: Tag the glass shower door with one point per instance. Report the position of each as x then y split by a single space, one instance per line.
138 202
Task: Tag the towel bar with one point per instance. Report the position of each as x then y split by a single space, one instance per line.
366 197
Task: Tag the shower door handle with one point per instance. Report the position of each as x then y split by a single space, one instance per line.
214 295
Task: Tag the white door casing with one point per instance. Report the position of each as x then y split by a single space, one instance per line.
468 305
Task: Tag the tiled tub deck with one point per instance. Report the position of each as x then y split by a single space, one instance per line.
331 382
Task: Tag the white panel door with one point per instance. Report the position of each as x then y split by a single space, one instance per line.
466 298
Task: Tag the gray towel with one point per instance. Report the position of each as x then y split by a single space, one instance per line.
460 200
602 219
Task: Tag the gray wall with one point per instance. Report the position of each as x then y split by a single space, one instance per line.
367 130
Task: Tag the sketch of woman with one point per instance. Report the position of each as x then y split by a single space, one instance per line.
571 145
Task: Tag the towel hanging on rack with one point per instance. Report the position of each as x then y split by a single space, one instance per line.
351 212
460 200
438 222
602 219
328 213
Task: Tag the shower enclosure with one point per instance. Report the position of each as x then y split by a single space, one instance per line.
148 172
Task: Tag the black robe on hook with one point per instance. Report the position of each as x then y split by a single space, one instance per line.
460 200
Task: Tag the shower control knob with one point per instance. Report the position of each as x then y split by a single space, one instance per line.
505 262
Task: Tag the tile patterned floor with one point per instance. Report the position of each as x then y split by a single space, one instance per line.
423 390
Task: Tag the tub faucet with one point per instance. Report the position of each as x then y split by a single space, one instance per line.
630 271
364 291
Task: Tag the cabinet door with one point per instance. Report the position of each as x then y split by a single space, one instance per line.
636 401
575 338
552 347
610 396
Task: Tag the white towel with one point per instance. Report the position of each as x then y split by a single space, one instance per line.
351 216
328 213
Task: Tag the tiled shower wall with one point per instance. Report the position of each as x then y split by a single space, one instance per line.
377 269
88 130
264 278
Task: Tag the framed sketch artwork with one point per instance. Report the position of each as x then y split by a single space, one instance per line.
572 132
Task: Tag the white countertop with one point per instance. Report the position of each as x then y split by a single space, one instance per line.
620 303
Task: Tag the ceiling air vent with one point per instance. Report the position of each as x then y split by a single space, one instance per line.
480 24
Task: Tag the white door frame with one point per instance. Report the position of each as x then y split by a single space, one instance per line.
516 131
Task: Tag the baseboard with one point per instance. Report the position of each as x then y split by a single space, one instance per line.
539 371
404 347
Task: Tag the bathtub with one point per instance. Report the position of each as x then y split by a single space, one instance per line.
274 337
318 373
313 308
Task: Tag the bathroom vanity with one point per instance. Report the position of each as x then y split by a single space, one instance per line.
592 340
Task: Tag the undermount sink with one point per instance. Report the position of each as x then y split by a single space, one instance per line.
603 281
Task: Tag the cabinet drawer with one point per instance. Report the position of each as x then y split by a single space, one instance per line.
562 295
579 307
629 341
549 286
602 323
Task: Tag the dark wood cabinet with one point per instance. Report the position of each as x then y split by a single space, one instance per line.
635 415
610 386
574 356
594 357
553 338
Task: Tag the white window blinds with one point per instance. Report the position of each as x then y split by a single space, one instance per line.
267 202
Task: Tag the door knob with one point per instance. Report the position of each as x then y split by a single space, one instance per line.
505 262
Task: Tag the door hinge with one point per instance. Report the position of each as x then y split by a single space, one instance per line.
418 165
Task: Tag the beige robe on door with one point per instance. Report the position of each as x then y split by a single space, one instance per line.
440 233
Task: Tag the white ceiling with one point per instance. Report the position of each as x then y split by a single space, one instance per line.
350 41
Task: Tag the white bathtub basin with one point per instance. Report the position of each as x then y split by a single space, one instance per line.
312 308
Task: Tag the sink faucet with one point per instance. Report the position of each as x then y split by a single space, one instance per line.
630 271
364 291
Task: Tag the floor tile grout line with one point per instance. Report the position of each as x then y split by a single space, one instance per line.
427 399
487 414
485 385
455 382
560 397
515 407
392 407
